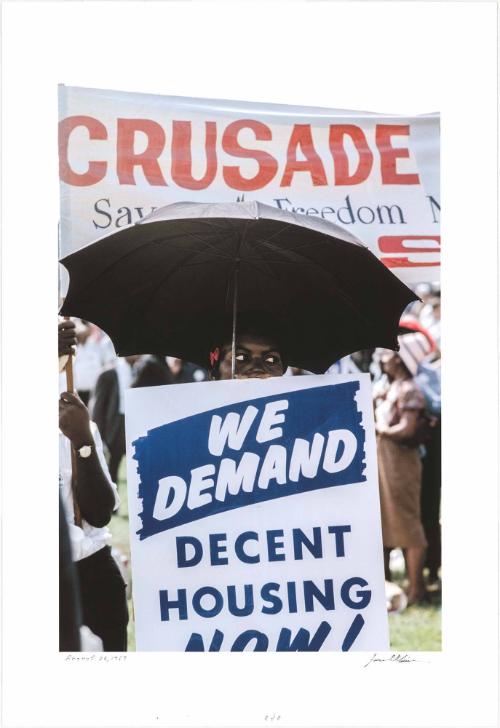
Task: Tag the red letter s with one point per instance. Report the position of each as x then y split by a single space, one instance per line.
396 244
267 163
340 159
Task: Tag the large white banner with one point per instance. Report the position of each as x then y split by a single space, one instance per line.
124 154
254 516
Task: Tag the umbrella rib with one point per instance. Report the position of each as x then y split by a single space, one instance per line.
182 264
247 261
209 222
208 245
197 238
194 236
278 232
300 246
202 240
341 294
303 259
240 239
282 261
213 249
199 251
217 230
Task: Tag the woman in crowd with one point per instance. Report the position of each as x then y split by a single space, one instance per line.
399 406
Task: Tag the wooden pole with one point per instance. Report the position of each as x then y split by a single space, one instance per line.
70 386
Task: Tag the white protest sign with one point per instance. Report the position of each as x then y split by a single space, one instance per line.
254 516
122 155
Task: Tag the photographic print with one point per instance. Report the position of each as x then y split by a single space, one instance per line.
234 211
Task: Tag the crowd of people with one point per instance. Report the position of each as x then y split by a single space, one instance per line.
407 408
407 401
406 388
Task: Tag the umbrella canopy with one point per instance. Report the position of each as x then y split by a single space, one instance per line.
163 285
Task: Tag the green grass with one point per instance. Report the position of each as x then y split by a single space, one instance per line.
418 628
121 541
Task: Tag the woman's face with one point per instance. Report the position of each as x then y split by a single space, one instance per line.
256 357
389 362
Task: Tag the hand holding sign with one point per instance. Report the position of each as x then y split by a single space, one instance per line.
66 337
74 420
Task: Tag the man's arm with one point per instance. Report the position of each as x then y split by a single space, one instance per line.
405 428
95 496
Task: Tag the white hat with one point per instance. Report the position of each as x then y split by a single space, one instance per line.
413 349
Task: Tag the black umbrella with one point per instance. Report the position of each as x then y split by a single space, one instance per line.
163 285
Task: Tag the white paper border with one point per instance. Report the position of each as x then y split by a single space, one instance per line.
392 57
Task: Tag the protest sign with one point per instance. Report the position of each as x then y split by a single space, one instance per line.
122 155
254 516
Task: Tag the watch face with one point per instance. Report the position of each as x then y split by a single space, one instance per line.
85 451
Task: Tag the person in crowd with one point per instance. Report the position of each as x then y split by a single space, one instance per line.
428 380
94 351
356 363
108 403
399 406
409 324
89 498
424 292
183 372
431 502
296 372
431 318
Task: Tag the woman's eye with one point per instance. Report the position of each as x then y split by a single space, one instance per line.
272 359
240 357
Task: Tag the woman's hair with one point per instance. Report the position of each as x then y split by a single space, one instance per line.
252 323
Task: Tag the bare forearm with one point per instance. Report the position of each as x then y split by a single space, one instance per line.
94 493
403 430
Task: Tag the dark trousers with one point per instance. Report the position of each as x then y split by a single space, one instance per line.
103 599
116 453
116 449
431 501
70 617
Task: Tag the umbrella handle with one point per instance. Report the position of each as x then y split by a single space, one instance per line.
235 308
70 386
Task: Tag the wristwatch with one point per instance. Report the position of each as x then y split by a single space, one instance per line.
84 452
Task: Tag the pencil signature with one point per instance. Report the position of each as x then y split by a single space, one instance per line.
395 657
